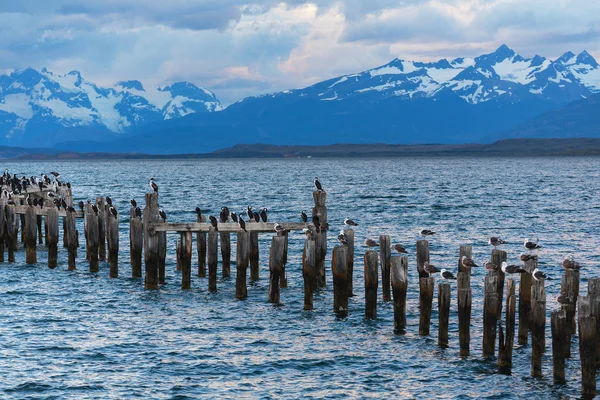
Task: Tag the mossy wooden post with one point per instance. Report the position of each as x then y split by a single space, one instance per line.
101 228
40 232
525 317
162 256
349 233
506 343
212 246
320 210
594 295
399 282
384 256
558 321
253 256
339 272
443 313
151 240
276 267
371 284
112 237
52 238
283 282
225 253
587 347
201 245
72 239
538 327
92 237
490 307
309 272
498 257
464 299
2 228
136 243
186 260
11 235
570 287
30 232
241 264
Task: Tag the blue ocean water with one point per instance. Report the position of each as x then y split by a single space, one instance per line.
83 335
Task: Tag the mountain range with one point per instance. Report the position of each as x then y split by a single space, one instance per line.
462 100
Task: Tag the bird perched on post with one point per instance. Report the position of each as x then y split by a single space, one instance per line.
95 209
528 257
430 268
133 203
108 201
538 275
163 215
153 185
370 243
342 239
531 245
511 269
349 223
317 223
199 212
445 274
113 210
214 223
490 266
427 232
256 216
399 249
318 185
467 262
138 212
81 205
241 223
496 241
570 263
234 217
250 214
263 214
278 228
564 299
303 216
224 214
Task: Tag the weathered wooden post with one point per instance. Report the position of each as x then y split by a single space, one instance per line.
283 283
464 298
425 287
39 230
212 245
525 317
225 253
339 271
186 260
505 345
560 334
594 295
30 235
384 255
52 239
112 236
443 313
371 284
136 243
570 287
276 266
11 234
162 256
177 255
349 233
490 319
72 239
320 211
538 327
201 244
399 281
241 264
422 257
498 257
309 272
587 347
92 237
253 256
2 228
151 240
101 228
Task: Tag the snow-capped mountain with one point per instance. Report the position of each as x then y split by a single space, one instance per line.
503 76
50 107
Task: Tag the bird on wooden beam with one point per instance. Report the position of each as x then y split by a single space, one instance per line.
81 205
162 214
214 223
256 216
198 212
95 209
303 216
250 214
279 229
234 217
241 222
153 185
71 209
263 214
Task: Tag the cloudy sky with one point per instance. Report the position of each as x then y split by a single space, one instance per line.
239 48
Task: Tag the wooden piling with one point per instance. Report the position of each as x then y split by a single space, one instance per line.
426 286
558 322
384 255
2 228
490 318
538 327
101 228
570 287
506 343
349 233
422 256
72 239
276 258
594 295
283 282
186 260
162 257
525 316
112 237
225 253
443 313
178 255
464 299
253 256
587 347
371 284
201 245
136 243
241 264
93 235
30 236
498 257
212 246
52 238
151 240
320 211
339 271
399 281
11 235
39 229
309 272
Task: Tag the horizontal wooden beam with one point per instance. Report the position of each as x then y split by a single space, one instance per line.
228 227
44 211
